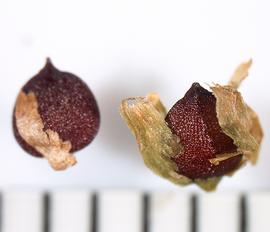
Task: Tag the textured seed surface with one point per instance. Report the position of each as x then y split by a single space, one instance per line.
66 106
193 119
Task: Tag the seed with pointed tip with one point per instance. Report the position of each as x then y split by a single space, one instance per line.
194 120
55 114
205 136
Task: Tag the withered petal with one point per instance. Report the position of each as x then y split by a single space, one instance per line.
145 118
156 141
154 99
30 128
240 74
236 118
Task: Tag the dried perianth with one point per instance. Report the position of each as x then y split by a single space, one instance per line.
205 135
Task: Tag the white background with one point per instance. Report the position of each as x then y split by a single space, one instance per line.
124 48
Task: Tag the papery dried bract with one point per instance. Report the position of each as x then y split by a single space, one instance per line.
48 143
240 74
236 118
157 144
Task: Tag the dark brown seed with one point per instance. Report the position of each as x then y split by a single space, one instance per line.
194 120
66 106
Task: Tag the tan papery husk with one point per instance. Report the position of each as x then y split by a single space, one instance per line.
48 143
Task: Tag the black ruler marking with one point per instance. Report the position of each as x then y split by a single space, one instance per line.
243 214
1 212
146 212
46 212
194 214
94 213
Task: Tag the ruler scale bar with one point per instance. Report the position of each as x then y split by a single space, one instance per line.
133 211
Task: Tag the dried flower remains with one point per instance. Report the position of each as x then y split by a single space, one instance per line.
203 137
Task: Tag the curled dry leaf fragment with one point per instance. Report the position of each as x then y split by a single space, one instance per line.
55 115
203 137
